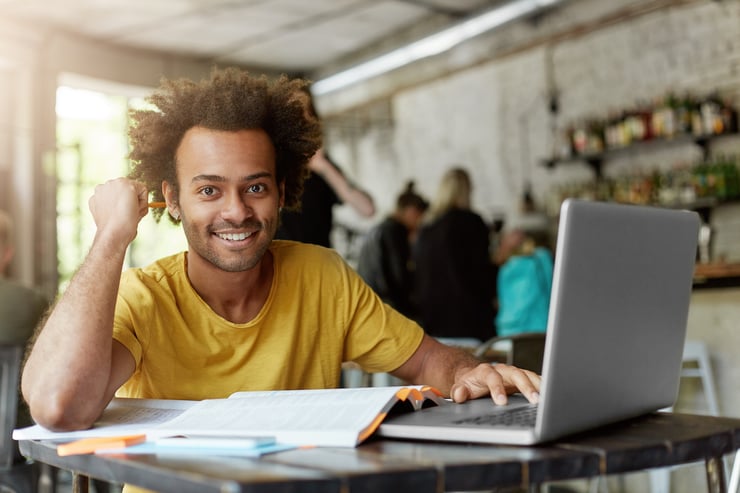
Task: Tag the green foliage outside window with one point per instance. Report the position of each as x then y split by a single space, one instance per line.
92 146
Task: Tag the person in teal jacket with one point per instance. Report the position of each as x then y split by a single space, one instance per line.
524 283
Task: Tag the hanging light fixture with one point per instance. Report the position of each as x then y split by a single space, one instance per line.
431 45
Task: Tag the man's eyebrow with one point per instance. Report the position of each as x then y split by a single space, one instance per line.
217 178
222 179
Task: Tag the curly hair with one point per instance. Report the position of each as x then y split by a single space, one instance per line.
230 100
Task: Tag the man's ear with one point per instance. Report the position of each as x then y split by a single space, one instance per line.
170 196
281 202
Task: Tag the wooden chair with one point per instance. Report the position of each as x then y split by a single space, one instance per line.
522 350
16 474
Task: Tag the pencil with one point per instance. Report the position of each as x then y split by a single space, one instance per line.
158 205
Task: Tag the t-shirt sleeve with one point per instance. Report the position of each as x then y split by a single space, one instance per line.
380 339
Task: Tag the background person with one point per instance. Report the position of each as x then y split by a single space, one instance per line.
325 187
455 278
523 285
385 256
21 309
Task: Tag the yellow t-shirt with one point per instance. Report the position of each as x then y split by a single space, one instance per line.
318 314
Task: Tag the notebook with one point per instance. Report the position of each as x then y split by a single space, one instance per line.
616 328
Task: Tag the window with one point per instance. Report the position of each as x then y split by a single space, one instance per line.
92 147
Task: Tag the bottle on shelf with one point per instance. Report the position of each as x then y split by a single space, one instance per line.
664 118
711 115
685 114
667 117
682 184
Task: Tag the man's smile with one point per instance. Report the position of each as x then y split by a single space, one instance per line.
234 236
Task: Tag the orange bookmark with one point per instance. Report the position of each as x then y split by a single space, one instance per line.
90 445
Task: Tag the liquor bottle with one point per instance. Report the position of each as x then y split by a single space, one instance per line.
729 117
711 115
684 114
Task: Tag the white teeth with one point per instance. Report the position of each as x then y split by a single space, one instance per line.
234 237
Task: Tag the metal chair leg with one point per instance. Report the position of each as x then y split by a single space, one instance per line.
716 475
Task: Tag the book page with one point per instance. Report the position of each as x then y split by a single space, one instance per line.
122 417
300 416
331 417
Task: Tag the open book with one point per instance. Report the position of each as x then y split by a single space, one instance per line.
332 417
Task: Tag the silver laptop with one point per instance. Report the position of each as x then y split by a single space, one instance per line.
615 335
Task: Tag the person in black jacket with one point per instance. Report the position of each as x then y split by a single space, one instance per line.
385 256
455 275
325 186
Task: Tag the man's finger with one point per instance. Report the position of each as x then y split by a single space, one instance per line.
523 381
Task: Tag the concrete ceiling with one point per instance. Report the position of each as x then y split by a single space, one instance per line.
294 36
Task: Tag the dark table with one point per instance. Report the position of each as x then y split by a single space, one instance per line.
656 440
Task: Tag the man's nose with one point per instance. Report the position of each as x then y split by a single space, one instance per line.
237 208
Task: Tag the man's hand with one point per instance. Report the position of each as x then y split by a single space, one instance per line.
117 207
498 380
462 376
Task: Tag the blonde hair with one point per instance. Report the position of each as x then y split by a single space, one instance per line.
453 192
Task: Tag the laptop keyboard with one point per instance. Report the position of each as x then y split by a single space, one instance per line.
519 417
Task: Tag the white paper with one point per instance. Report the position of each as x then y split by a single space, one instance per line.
122 417
332 417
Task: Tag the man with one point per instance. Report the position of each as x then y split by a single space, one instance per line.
237 311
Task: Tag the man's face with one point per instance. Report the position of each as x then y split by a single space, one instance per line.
228 196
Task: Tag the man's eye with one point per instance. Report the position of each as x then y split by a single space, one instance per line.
207 191
256 188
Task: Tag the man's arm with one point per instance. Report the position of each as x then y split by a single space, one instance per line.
460 375
75 367
358 199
